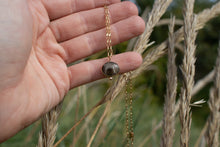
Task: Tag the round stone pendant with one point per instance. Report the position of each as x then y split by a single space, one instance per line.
110 69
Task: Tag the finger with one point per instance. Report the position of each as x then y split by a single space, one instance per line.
59 8
77 24
89 71
93 42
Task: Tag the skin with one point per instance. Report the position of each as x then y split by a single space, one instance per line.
40 37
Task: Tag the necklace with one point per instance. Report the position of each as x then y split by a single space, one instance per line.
110 69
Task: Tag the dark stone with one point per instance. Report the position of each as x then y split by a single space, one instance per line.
110 69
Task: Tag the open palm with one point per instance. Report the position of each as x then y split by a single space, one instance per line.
39 38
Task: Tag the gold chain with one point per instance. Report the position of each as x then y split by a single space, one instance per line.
128 92
129 112
108 33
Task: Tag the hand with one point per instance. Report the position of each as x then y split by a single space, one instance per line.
39 38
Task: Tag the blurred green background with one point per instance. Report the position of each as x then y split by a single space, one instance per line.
149 91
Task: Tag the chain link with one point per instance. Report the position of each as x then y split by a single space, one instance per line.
129 112
108 33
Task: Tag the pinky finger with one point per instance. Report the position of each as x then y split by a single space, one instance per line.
90 71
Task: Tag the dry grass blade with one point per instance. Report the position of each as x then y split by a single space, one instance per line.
132 42
158 126
212 135
107 108
79 95
207 13
177 109
201 83
85 106
49 127
78 122
85 126
158 10
188 71
170 98
155 53
167 22
154 130
201 136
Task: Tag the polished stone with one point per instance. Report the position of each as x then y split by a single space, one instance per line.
110 69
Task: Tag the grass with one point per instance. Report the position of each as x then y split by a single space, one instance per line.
148 112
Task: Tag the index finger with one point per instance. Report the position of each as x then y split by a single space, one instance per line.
59 8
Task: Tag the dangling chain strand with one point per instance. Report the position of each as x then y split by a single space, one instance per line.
108 33
129 112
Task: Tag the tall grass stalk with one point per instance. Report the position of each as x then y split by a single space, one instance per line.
78 122
159 8
85 108
154 130
85 127
79 95
201 136
133 41
49 127
167 22
195 90
152 55
188 71
212 135
157 52
170 98
203 82
107 108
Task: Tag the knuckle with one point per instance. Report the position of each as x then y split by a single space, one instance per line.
138 25
130 8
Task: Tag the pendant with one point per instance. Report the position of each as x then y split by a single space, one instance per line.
110 69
